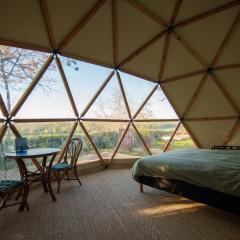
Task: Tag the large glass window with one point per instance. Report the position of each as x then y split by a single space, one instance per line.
181 140
105 135
18 69
110 103
156 134
48 99
104 121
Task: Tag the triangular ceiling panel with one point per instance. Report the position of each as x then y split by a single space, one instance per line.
148 61
109 104
235 140
131 146
164 12
210 102
208 45
229 80
57 12
94 41
181 140
191 8
211 133
157 107
181 91
28 23
229 55
179 60
140 29
48 99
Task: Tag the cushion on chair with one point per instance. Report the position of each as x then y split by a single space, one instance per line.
61 166
6 185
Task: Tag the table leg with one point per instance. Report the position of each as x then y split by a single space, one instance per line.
50 187
49 175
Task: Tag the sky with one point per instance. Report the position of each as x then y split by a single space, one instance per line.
84 83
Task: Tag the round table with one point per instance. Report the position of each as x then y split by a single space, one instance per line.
43 172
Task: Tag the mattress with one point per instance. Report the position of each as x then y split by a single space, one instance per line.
215 169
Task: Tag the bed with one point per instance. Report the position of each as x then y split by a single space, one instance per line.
204 175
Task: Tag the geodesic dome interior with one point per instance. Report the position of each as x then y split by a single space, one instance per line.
188 49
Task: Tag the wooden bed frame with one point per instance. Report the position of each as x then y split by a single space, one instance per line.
204 195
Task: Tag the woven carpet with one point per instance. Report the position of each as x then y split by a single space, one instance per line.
109 206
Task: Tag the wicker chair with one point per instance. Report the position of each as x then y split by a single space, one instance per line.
9 187
69 163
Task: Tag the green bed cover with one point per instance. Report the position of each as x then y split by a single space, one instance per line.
215 169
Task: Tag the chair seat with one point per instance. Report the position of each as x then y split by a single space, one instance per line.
61 166
7 185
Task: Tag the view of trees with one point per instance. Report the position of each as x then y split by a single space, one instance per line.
17 69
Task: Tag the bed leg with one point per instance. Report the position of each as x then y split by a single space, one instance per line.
141 187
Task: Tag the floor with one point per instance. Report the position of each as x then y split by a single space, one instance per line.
109 206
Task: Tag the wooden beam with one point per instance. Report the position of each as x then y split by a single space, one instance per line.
145 101
231 133
175 11
115 32
48 23
67 141
207 14
226 40
24 46
3 107
3 130
82 23
65 82
225 94
227 67
142 139
104 120
182 76
147 12
14 130
195 140
34 120
170 100
119 144
157 120
164 56
199 119
135 74
124 95
109 77
32 85
87 60
187 46
195 95
91 142
142 48
171 138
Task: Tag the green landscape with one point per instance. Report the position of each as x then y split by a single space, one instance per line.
104 135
